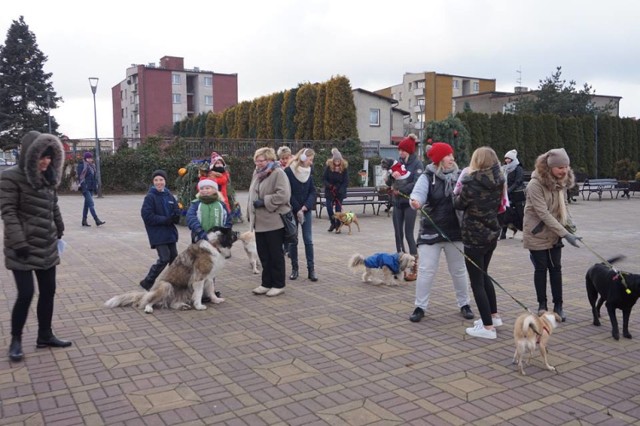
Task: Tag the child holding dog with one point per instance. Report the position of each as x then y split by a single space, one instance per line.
404 217
303 198
433 192
546 222
480 198
160 213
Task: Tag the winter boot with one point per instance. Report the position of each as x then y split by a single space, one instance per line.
503 234
312 275
294 273
46 338
84 222
557 308
15 350
333 225
542 307
99 222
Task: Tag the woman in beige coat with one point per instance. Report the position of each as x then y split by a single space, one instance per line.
546 222
269 195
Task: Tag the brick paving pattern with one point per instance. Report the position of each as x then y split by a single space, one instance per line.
335 351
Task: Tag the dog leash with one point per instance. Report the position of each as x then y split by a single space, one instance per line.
610 266
494 281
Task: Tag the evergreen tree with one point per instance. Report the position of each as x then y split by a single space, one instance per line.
210 124
318 113
26 91
262 119
305 105
289 113
340 110
274 114
452 131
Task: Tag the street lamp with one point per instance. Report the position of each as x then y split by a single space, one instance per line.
596 150
421 130
93 82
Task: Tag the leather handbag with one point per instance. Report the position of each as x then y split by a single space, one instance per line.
290 227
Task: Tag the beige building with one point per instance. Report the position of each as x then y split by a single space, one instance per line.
504 102
428 96
379 121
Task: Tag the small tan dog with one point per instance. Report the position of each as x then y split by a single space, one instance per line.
390 264
249 242
346 219
530 329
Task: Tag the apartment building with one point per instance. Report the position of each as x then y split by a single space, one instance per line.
428 96
152 98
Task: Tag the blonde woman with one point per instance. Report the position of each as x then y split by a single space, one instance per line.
546 222
303 199
482 187
269 195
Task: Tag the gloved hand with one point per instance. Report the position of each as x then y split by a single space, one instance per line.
258 203
60 235
300 216
572 239
202 236
168 220
23 252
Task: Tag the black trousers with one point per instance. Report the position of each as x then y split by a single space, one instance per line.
483 291
271 254
543 261
46 287
166 254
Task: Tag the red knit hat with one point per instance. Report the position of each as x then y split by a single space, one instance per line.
408 145
438 151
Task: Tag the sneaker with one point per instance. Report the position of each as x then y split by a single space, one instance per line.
275 292
417 315
497 321
466 312
480 331
260 290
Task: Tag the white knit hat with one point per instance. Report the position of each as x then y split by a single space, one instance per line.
513 154
207 182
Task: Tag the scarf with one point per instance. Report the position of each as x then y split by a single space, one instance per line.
87 168
210 212
448 176
301 173
508 168
263 173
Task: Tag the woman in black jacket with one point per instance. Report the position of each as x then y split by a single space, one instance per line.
32 227
303 199
87 177
336 181
514 174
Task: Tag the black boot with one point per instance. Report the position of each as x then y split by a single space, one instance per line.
542 307
15 350
294 273
84 222
312 275
333 225
503 234
48 339
99 222
557 308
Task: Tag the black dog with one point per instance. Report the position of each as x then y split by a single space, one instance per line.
608 283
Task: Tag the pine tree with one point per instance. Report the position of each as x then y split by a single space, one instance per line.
305 105
339 110
26 91
318 113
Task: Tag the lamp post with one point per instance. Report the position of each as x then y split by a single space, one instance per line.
596 150
93 82
421 130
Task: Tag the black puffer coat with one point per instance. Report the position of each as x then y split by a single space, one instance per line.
29 205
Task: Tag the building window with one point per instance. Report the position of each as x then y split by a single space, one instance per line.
476 86
374 117
176 98
420 84
455 84
176 117
410 84
175 78
208 81
208 100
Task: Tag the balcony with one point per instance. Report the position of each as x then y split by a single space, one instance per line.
418 108
418 92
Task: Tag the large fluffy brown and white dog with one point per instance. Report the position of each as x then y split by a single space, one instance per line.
530 329
249 242
390 264
183 283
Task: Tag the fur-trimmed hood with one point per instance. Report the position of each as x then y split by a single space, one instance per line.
33 144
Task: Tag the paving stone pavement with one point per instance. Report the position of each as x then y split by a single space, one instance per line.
336 351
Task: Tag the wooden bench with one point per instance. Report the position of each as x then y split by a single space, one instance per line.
357 196
600 186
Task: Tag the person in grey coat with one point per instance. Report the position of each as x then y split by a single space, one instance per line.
32 227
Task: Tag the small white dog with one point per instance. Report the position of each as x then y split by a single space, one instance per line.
530 330
249 242
390 264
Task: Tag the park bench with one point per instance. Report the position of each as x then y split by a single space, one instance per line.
600 186
356 196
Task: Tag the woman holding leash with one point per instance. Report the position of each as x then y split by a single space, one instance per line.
404 217
336 181
480 197
269 197
303 198
546 222
32 227
433 192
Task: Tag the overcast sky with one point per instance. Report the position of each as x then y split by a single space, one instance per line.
274 45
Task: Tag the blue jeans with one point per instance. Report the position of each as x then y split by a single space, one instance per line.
88 206
308 243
